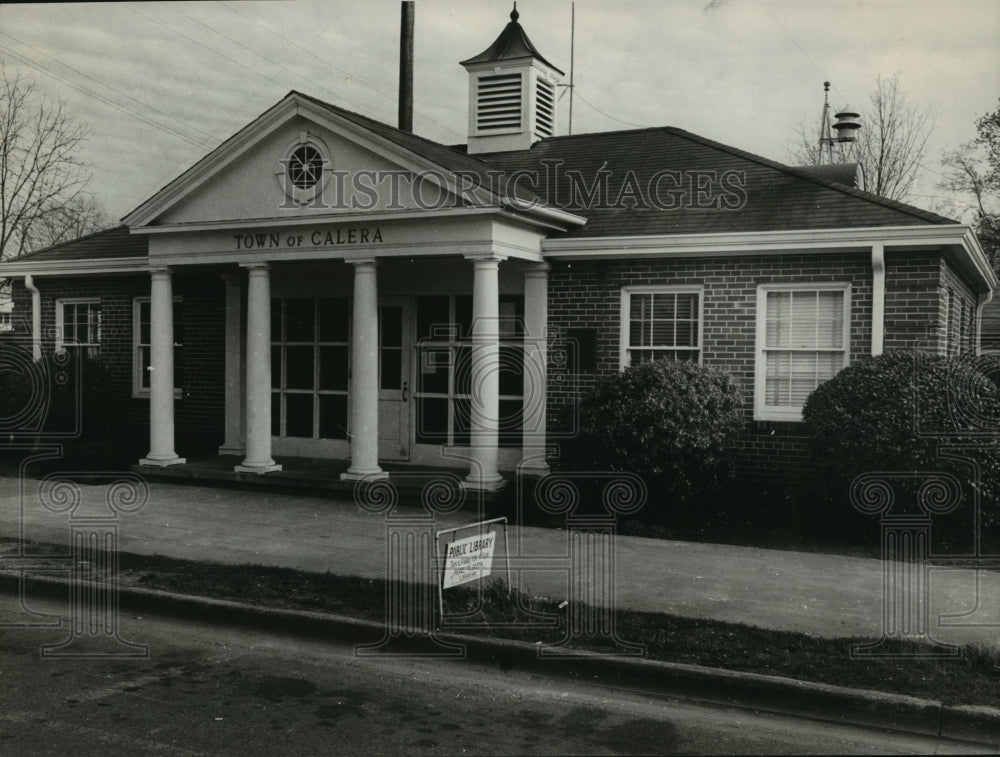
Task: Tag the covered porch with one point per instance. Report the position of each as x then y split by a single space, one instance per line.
367 364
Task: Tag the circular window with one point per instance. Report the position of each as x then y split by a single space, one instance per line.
305 167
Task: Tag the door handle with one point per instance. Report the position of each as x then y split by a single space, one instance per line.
406 390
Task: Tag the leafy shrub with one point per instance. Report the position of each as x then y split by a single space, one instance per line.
65 399
669 421
893 413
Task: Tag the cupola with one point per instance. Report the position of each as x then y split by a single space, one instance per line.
512 93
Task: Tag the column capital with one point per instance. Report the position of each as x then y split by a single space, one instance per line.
485 264
537 271
231 277
256 268
363 266
485 258
160 271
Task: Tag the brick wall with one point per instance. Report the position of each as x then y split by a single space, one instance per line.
913 306
928 305
961 322
587 295
199 413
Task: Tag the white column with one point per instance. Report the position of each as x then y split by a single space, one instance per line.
536 319
878 298
364 375
235 441
161 372
36 318
485 408
258 383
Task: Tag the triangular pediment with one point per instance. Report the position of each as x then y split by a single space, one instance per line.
266 171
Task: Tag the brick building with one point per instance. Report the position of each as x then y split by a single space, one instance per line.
325 285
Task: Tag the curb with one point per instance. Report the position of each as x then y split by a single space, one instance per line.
753 691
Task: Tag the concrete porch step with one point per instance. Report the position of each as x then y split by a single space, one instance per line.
311 475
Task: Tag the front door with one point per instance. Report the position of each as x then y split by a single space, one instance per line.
394 379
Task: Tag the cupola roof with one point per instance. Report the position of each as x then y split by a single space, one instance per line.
512 44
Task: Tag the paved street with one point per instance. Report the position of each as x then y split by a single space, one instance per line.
210 691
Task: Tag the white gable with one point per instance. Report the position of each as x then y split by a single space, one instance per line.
248 177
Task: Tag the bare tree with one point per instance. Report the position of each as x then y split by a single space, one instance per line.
891 143
973 171
41 178
82 215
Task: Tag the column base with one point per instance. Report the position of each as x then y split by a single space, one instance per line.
373 475
163 462
477 484
270 467
534 468
233 449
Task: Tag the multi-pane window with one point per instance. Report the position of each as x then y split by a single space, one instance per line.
310 362
660 323
78 326
802 340
141 341
444 370
6 307
951 313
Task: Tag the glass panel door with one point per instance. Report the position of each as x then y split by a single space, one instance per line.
394 379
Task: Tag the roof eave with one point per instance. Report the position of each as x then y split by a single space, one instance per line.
92 266
959 240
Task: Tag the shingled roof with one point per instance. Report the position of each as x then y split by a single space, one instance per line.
109 243
777 197
442 155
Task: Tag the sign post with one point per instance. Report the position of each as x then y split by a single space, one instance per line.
470 558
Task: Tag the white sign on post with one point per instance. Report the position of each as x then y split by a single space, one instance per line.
468 559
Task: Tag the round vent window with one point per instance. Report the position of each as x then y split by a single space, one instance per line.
305 167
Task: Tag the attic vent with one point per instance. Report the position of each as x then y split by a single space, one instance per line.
544 108
498 102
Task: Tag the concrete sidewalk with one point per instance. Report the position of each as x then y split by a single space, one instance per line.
816 594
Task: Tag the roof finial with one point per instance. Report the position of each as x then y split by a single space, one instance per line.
514 15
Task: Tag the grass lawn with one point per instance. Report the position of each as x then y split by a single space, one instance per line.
974 678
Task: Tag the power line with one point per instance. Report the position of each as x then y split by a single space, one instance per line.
99 97
108 86
607 115
391 98
309 52
217 52
803 51
255 52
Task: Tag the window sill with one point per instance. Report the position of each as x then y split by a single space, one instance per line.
777 417
144 394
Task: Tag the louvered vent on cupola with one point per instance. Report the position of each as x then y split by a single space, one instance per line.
545 108
512 94
499 102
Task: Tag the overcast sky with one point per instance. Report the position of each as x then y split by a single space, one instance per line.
161 84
